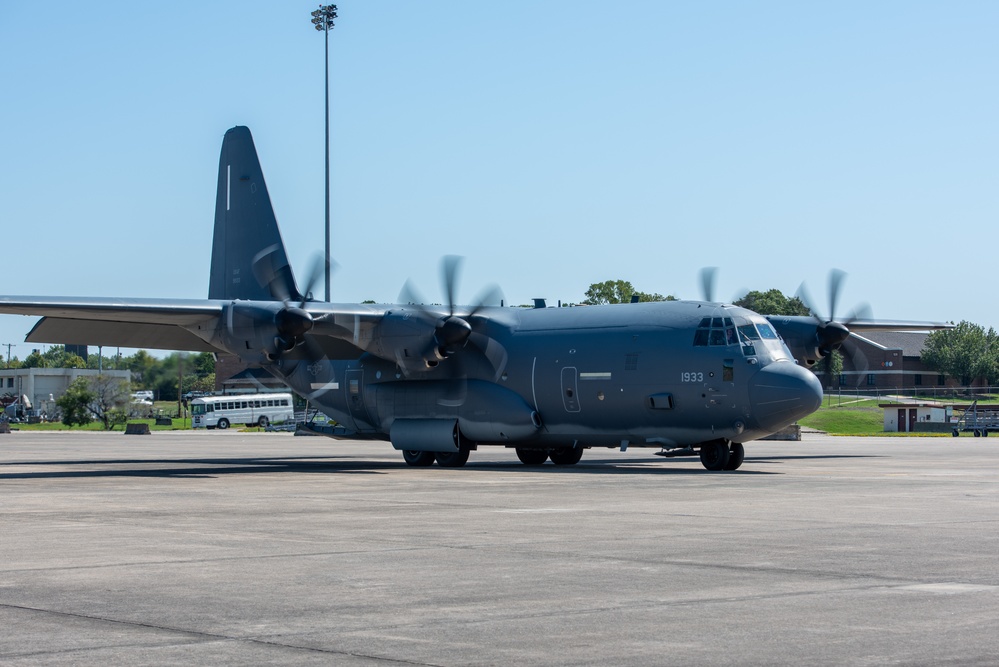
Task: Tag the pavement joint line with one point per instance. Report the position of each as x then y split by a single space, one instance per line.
221 559
204 636
636 606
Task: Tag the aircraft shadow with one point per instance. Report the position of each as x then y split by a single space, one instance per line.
805 457
217 467
191 468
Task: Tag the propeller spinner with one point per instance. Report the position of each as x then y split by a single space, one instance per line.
830 334
451 332
292 321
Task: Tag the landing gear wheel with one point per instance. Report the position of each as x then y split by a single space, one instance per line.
714 455
263 422
223 423
736 454
566 457
532 457
452 459
418 459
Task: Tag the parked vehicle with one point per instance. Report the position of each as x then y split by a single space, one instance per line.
251 409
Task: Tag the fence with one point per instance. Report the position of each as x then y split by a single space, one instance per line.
844 396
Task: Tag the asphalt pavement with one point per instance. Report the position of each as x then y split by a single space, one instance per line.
230 548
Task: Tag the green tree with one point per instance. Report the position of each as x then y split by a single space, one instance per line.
204 384
103 397
143 366
772 302
34 360
965 352
655 296
75 403
619 291
834 364
57 357
203 363
609 291
111 396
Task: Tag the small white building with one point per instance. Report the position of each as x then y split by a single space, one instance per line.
917 417
43 386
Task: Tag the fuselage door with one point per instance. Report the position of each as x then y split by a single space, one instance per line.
355 398
570 392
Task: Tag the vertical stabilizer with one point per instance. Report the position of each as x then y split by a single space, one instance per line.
248 257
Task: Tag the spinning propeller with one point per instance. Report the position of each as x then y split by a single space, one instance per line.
452 331
832 335
292 321
708 276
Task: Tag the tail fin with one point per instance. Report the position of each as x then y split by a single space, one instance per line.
248 257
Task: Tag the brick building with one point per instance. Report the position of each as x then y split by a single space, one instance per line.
889 359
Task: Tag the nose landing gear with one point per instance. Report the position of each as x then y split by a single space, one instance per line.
722 455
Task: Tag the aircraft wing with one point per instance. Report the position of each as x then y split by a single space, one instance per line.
169 324
863 324
896 325
163 324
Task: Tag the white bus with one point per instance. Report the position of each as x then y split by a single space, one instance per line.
250 409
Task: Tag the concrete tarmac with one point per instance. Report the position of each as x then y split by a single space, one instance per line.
225 548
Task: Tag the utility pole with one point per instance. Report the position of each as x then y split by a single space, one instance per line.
9 345
180 385
322 19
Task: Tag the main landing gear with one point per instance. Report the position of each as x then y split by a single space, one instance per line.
722 455
568 456
444 459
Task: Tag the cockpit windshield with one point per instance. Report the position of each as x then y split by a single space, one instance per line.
754 336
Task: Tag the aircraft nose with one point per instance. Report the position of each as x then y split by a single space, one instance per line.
782 393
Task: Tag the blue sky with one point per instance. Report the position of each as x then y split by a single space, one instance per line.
554 144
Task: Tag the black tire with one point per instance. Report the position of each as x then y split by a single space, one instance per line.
955 433
263 422
566 457
714 455
418 459
977 433
985 432
532 457
736 455
223 424
452 459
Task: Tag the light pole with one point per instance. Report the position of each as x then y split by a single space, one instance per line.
322 19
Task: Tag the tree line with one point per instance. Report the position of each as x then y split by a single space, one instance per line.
148 372
771 302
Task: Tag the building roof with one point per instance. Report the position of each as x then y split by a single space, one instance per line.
910 342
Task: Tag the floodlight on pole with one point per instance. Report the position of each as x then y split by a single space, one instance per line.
322 19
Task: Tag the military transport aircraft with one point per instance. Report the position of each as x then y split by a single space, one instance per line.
687 377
